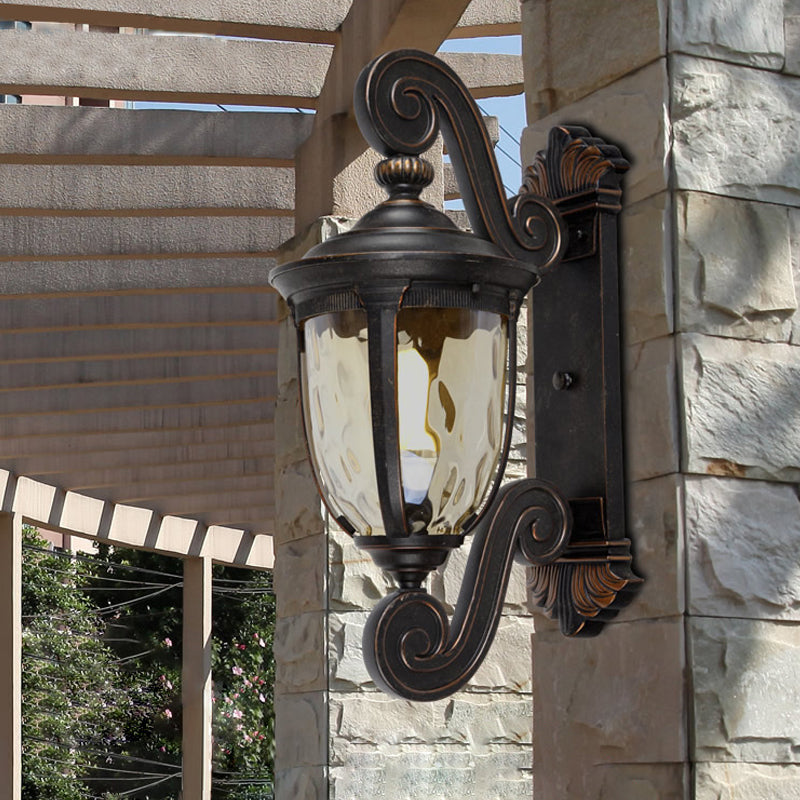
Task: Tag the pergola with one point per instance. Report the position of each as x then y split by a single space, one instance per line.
139 346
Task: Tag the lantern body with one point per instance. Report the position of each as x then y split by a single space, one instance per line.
449 383
407 343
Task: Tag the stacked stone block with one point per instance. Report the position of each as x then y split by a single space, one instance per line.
475 744
300 648
693 690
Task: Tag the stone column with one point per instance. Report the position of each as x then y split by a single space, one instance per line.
736 120
196 678
300 578
11 656
686 693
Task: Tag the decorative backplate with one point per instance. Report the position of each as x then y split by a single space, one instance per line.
576 361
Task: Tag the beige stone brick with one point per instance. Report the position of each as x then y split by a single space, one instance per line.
655 527
734 268
299 649
746 690
632 114
742 544
740 408
614 699
733 130
646 269
744 33
730 781
615 39
651 414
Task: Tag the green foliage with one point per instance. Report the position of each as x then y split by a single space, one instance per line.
102 644
151 643
75 702
244 675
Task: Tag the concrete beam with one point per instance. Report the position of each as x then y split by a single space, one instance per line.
265 19
91 444
489 18
83 134
487 74
30 238
45 312
126 526
144 395
191 69
96 373
451 189
126 190
132 344
269 19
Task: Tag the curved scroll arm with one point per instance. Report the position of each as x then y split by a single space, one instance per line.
403 99
410 648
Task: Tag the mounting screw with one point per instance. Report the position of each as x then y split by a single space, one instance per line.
562 381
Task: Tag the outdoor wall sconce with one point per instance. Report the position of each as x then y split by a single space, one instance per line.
407 358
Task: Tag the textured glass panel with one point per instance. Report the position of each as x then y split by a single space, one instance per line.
451 377
336 404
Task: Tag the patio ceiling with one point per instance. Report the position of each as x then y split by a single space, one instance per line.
138 335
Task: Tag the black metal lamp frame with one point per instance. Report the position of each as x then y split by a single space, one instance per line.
406 254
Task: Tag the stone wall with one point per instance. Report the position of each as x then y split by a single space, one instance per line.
300 576
693 690
476 744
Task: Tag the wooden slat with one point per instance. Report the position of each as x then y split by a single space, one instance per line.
67 375
237 411
145 492
246 502
126 526
31 277
132 395
105 482
126 441
149 457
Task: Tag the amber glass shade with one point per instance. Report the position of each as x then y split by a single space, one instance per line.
451 372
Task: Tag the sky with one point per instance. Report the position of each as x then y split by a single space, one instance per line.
509 110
